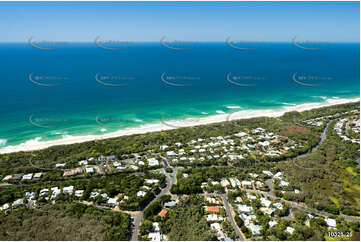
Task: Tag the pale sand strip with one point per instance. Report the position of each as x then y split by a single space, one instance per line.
173 124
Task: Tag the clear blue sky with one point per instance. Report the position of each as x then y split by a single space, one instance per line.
192 21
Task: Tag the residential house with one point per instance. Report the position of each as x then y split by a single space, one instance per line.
28 176
331 222
68 190
141 194
153 162
89 170
272 223
79 193
37 175
43 192
154 236
246 183
265 202
60 165
163 212
244 208
213 209
18 203
278 206
255 229
289 230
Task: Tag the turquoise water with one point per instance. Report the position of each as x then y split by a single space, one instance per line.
48 94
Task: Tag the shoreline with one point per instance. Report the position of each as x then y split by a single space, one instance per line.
36 144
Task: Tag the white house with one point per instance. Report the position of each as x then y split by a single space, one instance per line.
331 222
216 226
278 206
28 176
277 175
18 202
89 170
255 229
55 192
141 194
83 162
224 183
265 202
146 188
214 217
59 165
151 181
272 223
233 182
244 208
112 202
246 183
68 190
94 194
171 154
134 167
30 195
253 175
43 192
154 236
153 162
156 227
251 197
79 193
241 134
264 144
284 183
290 230
4 207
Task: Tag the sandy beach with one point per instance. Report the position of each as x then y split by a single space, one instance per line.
37 144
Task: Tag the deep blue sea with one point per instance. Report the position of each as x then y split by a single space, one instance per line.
80 89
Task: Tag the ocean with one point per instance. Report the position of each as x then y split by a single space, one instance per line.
82 89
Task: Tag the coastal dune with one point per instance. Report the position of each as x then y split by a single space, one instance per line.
37 144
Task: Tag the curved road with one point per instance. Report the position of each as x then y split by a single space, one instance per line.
303 206
322 140
137 218
230 212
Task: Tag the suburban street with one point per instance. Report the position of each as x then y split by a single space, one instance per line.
137 218
322 139
303 206
230 212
